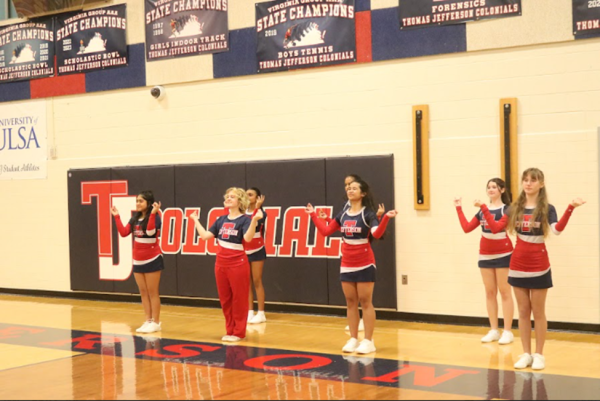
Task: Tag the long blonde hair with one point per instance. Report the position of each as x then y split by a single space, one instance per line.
242 198
540 213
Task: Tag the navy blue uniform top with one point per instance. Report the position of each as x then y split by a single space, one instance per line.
230 236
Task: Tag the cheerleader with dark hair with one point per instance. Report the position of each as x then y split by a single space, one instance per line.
358 224
257 255
494 258
349 179
148 262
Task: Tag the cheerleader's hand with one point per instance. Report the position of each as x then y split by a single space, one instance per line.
155 207
458 202
259 215
478 203
322 215
114 211
392 213
194 216
380 210
310 209
259 201
577 202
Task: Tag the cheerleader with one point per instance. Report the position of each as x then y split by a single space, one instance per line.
494 259
147 256
256 256
358 223
531 219
232 270
350 178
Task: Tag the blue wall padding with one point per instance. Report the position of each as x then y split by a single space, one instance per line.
241 57
362 5
132 76
15 91
389 42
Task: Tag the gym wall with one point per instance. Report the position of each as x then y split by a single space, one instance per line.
108 120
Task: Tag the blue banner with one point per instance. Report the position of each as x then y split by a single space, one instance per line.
296 34
586 17
27 50
91 40
177 28
420 13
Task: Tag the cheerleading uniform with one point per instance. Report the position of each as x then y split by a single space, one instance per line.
232 271
255 249
147 255
495 249
358 260
530 264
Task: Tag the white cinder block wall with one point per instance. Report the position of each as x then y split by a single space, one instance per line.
351 110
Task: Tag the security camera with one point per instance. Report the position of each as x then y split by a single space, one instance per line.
158 92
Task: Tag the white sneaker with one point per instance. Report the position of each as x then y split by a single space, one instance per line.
366 347
492 335
351 345
234 339
250 315
225 338
143 326
258 318
539 362
524 361
361 326
152 327
507 338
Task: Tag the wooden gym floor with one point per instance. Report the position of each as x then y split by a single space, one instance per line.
67 349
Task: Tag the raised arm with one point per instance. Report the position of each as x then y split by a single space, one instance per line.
204 234
495 226
151 229
323 216
124 231
562 223
256 216
380 229
467 226
323 228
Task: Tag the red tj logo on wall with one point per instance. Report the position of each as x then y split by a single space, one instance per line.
178 234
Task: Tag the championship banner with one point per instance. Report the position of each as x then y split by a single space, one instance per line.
27 50
304 33
23 151
420 13
181 28
91 40
586 17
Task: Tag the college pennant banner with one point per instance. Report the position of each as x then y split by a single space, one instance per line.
27 50
181 28
304 33
586 17
420 13
91 40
